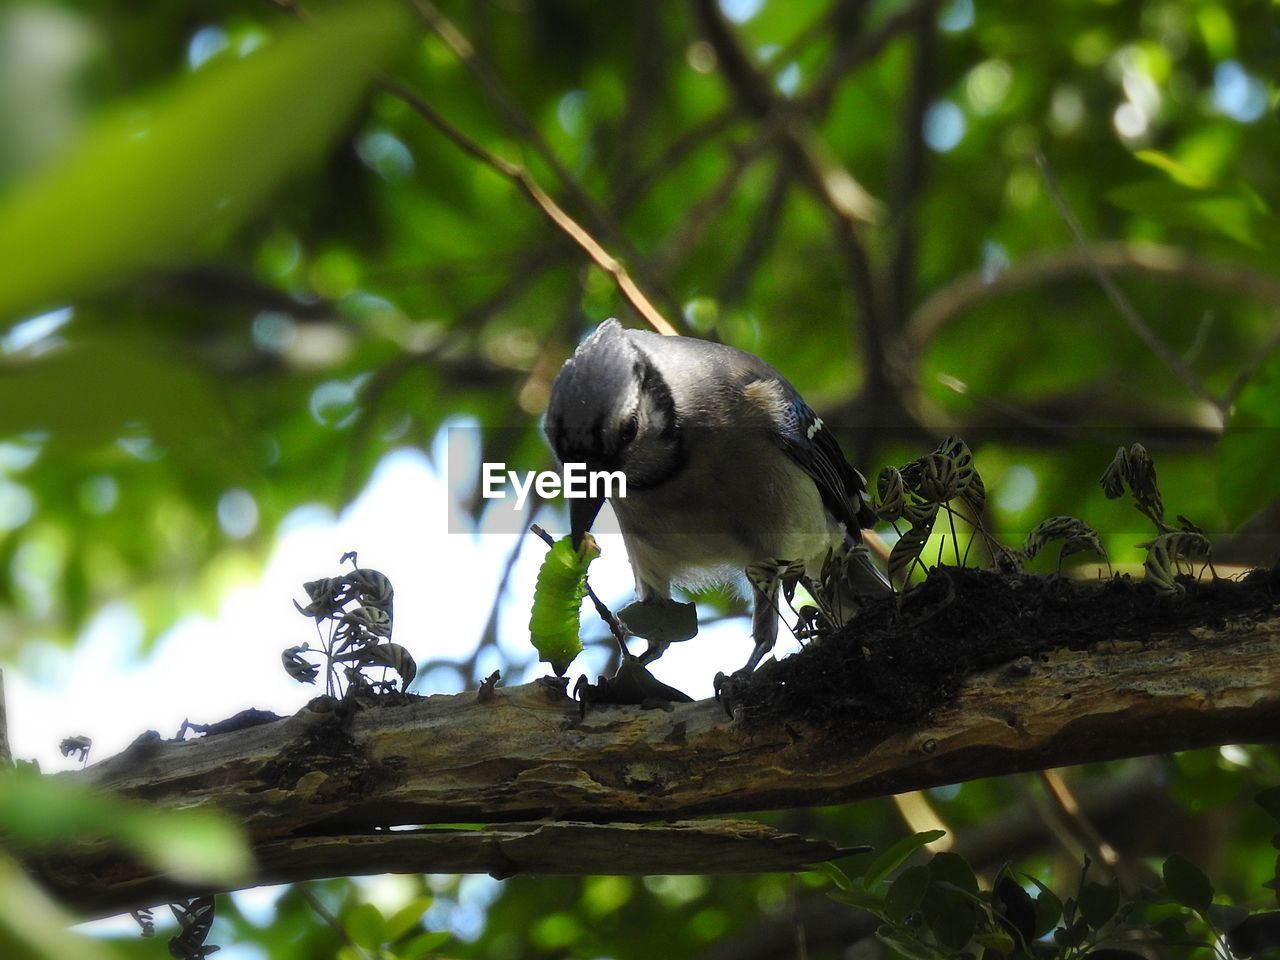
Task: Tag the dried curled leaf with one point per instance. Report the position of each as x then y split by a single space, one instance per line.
362 625
770 575
910 544
890 494
385 655
1134 469
969 485
1167 551
1076 536
297 667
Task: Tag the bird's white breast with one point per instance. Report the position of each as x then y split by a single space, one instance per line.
714 518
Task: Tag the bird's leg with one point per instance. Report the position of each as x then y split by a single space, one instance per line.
764 624
764 630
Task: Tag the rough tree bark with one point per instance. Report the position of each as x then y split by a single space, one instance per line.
316 791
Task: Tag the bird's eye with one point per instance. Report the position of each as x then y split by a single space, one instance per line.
629 429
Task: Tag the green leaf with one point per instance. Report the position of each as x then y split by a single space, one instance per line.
424 944
407 917
166 178
864 899
996 940
950 915
1233 214
1048 909
906 892
1226 916
365 926
1073 935
191 845
1269 800
897 854
90 394
1187 884
1176 169
1014 908
1099 902
1249 452
905 944
835 875
953 869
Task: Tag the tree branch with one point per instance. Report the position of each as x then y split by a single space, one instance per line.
1145 259
542 200
1140 328
329 777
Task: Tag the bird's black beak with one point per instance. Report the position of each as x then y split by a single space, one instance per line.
582 514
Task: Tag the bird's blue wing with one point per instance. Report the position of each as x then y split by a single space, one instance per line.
808 442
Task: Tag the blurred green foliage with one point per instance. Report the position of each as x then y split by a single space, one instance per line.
261 272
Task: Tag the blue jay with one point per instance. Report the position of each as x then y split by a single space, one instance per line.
726 467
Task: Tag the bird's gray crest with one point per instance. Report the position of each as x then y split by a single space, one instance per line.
592 385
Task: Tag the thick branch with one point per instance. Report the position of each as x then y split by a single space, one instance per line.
527 754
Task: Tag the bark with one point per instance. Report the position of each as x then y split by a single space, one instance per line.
309 787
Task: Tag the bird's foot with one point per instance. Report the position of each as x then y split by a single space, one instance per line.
730 687
633 685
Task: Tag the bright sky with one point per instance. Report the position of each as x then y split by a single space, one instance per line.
208 669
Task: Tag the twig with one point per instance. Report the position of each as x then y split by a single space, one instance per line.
764 228
911 172
1117 298
867 48
333 922
489 636
6 753
704 212
524 127
797 921
545 204
1165 263
1074 819
675 153
1260 357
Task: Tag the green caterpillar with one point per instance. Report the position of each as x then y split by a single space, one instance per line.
557 599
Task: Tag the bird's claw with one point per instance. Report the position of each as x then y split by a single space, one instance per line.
729 688
632 685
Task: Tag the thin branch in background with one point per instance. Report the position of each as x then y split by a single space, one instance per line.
489 636
1040 269
1131 316
919 816
869 46
1203 328
6 752
1086 834
797 921
545 204
675 153
911 167
523 126
1260 357
333 922
648 77
764 229
838 187
702 214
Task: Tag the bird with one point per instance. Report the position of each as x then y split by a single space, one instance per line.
726 466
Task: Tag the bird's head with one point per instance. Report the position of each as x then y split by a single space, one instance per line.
611 409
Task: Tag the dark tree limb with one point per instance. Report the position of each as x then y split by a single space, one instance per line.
328 775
